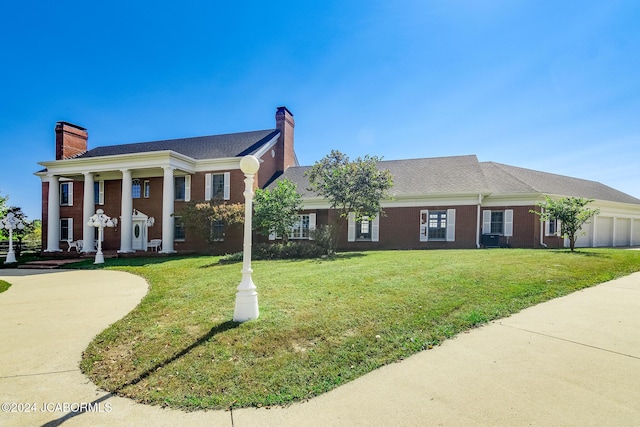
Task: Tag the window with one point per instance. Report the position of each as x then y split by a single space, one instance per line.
217 231
498 222
146 190
66 228
136 189
183 188
216 186
364 230
178 229
66 194
552 227
98 192
301 229
438 225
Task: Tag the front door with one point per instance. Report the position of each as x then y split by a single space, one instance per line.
139 235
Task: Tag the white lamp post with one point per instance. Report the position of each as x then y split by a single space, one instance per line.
11 222
247 297
101 220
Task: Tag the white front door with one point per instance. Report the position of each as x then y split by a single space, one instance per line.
139 235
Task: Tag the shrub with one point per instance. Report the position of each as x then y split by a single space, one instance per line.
323 238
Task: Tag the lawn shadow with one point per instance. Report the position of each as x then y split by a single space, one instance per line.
225 326
578 252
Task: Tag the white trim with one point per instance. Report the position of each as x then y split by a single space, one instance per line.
100 192
265 148
208 183
424 225
451 225
508 222
227 186
375 229
187 188
486 222
312 224
69 185
70 229
351 227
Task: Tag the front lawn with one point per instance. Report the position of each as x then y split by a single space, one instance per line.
4 286
322 322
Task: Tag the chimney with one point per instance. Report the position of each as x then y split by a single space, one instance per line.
71 140
284 146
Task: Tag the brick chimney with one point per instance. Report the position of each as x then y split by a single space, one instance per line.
284 146
71 140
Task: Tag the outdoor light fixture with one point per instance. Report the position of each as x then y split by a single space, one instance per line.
101 220
11 222
247 297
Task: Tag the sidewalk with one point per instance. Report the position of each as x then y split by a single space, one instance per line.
571 361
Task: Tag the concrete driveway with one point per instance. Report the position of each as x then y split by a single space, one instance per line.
573 361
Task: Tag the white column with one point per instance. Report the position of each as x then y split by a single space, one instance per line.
53 215
126 214
168 199
88 207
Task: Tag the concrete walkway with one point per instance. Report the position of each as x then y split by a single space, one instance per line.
573 361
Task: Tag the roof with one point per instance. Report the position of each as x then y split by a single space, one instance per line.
508 179
201 147
438 175
463 175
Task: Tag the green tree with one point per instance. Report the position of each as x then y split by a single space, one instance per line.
3 203
356 186
210 219
570 211
276 211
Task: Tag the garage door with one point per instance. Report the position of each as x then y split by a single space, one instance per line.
623 232
604 231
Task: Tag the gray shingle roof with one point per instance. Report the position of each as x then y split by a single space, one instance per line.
513 180
201 147
459 175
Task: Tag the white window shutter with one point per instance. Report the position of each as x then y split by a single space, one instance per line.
508 222
187 188
351 227
227 185
558 228
101 192
70 194
486 222
375 229
70 224
547 228
451 225
272 235
312 224
207 186
424 225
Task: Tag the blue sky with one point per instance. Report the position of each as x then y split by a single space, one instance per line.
547 85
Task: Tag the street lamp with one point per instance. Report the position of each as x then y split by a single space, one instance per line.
11 222
101 220
247 297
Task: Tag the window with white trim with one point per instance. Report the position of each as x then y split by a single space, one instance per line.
217 186
146 189
438 224
217 231
136 189
552 227
66 194
178 228
498 222
365 230
182 188
301 229
98 193
66 228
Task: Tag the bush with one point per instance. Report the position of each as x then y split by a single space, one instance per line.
323 238
267 251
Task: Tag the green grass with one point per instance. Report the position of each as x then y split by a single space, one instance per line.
322 322
4 286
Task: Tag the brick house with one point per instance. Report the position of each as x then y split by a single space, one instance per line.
447 202
458 202
145 185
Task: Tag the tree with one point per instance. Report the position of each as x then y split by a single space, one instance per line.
18 234
570 211
210 219
3 202
356 187
276 211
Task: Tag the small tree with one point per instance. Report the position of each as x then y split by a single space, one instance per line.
356 187
570 211
3 202
276 211
203 216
